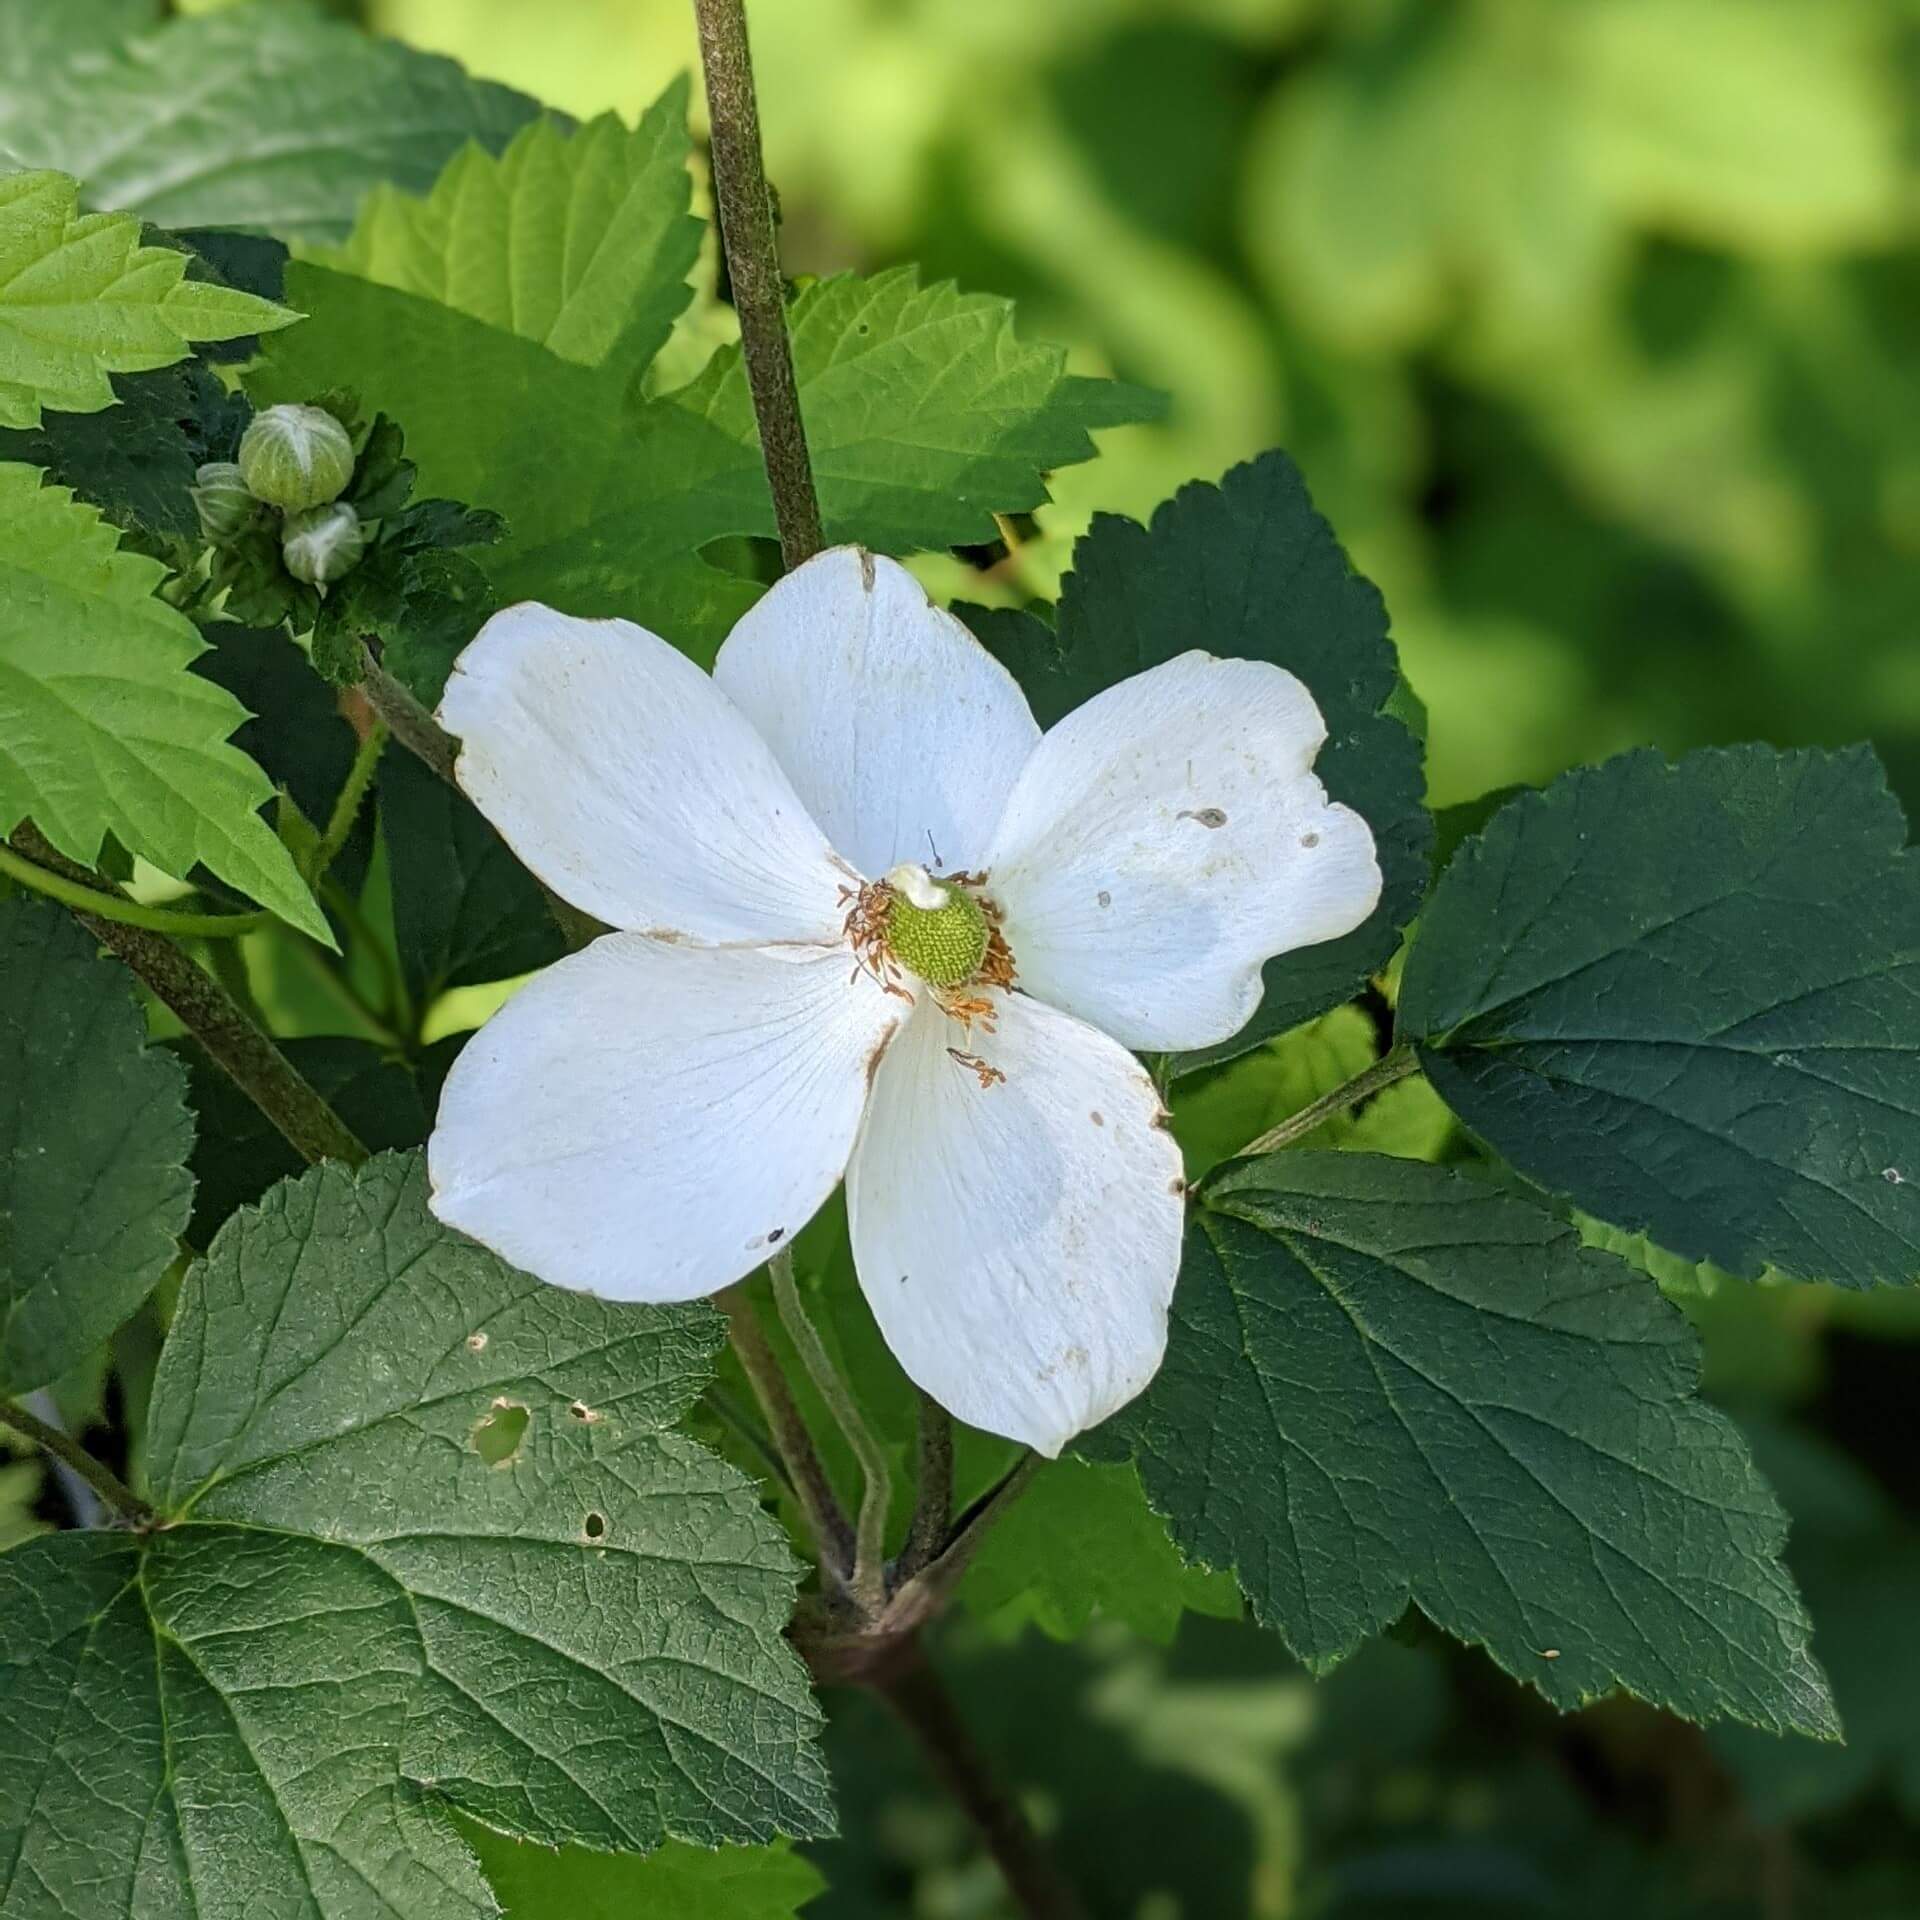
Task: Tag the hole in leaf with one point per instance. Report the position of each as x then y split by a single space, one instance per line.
596 1527
497 1438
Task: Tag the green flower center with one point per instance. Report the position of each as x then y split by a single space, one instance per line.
942 944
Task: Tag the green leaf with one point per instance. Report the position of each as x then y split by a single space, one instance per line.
1249 569
1081 1542
81 297
102 728
676 1883
465 911
94 1137
579 241
351 1616
1389 1383
609 502
1684 996
271 115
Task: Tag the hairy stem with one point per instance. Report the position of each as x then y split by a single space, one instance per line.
922 1704
70 1453
405 718
745 208
831 1533
933 1499
214 1018
876 1483
970 1531
1396 1065
348 801
130 913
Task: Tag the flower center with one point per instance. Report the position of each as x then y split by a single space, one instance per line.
938 932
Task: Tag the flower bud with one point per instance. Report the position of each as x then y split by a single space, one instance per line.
324 543
296 457
227 508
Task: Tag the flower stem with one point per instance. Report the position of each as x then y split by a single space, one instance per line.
970 1532
1396 1065
352 794
933 1502
922 1704
876 1483
405 718
70 1453
214 1018
129 913
831 1533
745 207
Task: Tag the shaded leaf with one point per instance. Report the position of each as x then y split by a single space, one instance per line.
1391 1383
270 115
465 911
94 1138
1687 997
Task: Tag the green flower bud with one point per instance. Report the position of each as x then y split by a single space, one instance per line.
296 457
324 543
227 509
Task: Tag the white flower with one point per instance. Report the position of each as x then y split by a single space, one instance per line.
858 799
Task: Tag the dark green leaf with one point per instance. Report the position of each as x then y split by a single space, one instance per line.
271 115
1688 998
94 1137
136 460
1392 1383
240 1153
465 911
1249 569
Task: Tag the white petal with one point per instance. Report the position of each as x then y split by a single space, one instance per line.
647 1122
899 730
1165 840
618 772
1018 1243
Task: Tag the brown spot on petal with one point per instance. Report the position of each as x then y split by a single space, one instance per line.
866 568
1206 816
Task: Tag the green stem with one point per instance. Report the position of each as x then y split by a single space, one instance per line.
876 1489
745 207
129 913
69 1452
933 1499
211 1014
348 802
406 719
1396 1065
831 1533
970 1534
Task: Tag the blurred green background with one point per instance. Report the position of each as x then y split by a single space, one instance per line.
1595 325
